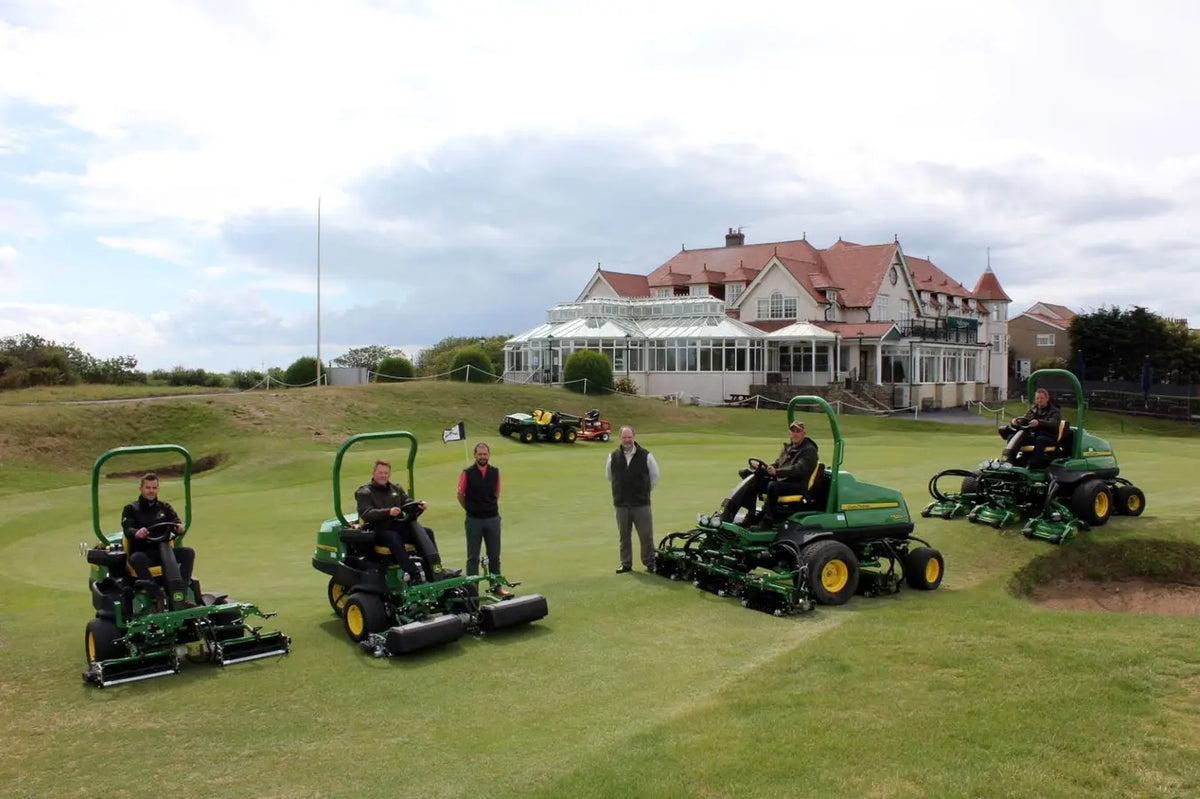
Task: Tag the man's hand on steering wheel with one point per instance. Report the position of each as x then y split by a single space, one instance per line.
761 467
160 531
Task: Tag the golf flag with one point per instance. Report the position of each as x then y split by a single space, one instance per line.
456 433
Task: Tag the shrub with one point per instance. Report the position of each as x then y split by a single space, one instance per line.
625 385
471 364
588 372
393 368
301 373
246 380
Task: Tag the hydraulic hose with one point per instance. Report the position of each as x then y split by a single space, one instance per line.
933 482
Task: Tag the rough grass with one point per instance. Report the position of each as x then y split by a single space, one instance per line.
634 685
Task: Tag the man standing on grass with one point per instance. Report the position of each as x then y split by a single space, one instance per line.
632 472
479 496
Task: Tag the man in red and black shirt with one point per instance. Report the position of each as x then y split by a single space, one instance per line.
479 495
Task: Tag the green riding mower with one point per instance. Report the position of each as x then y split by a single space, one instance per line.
542 425
146 629
1056 486
383 608
840 537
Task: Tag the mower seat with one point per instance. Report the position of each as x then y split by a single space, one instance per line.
362 540
155 571
541 416
814 495
1062 442
592 416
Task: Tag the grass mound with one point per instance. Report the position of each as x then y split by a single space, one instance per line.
1146 560
202 464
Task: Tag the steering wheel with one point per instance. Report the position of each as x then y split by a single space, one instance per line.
410 510
758 466
159 532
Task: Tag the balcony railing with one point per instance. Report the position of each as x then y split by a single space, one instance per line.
950 329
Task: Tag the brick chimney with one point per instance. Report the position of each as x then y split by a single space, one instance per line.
733 239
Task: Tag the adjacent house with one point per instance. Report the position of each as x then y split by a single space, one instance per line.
1041 331
784 317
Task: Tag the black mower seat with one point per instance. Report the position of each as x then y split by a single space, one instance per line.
1062 442
815 495
365 537
155 571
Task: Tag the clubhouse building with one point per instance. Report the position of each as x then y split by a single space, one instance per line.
851 321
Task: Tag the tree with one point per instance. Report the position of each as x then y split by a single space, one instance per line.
30 360
1113 345
302 372
393 368
471 364
588 371
368 357
439 359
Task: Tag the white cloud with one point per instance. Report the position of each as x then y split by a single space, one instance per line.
103 332
164 249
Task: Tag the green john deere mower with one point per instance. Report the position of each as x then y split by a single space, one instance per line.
840 537
1057 488
148 629
382 608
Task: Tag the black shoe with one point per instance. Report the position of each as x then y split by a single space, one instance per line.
623 569
743 472
446 574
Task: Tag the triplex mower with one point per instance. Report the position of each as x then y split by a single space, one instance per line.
541 425
592 427
382 608
1057 488
134 637
841 537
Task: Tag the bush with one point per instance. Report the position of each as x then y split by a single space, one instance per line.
246 380
625 385
393 368
471 364
301 373
588 372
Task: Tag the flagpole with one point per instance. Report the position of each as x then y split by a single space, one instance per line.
318 292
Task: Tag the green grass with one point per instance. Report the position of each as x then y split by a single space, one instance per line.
634 685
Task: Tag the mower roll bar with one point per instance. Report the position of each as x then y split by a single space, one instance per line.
141 450
835 467
1080 412
351 441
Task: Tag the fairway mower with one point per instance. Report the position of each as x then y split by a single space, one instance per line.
144 630
841 537
382 608
541 425
1056 489
593 428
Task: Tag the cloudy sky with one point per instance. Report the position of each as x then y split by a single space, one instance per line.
161 161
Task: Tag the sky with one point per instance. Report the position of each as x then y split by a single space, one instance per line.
162 162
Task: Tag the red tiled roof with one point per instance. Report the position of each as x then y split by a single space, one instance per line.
860 269
743 274
728 259
771 325
1058 314
988 287
706 276
856 329
625 284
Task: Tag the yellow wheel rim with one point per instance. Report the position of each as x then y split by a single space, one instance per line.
834 576
91 648
933 570
1133 503
339 597
1100 505
354 620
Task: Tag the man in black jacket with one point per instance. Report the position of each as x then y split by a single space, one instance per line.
791 471
1041 421
632 472
380 504
479 496
146 512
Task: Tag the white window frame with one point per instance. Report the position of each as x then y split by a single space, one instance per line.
1045 339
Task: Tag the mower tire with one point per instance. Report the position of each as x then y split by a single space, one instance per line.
556 434
1130 501
924 568
505 430
1092 502
970 484
527 437
336 593
832 572
570 435
604 436
362 615
100 641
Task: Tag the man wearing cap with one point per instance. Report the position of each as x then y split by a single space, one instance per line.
791 470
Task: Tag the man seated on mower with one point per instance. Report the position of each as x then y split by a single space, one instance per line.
380 504
790 472
1041 421
146 521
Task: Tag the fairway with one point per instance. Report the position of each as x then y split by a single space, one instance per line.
633 685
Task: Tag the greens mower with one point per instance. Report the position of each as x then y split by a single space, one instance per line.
381 608
1056 489
133 637
841 537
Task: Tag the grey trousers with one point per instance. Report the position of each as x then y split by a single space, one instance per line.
641 518
486 532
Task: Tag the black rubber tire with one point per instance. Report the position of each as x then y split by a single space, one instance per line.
100 641
527 436
336 594
832 572
570 435
1092 503
556 434
970 484
1130 501
504 430
604 436
924 568
362 615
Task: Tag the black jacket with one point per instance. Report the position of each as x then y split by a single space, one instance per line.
797 461
480 500
374 502
139 514
1048 418
631 482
